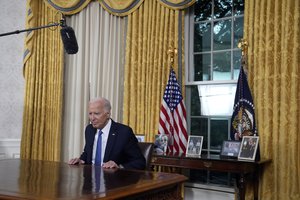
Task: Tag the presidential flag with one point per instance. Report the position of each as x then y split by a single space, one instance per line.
243 117
172 117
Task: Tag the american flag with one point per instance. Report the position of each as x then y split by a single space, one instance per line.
172 117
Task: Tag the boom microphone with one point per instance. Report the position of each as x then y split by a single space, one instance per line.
68 38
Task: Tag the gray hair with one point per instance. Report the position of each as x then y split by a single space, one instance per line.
106 103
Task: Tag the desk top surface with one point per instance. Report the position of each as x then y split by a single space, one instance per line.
33 179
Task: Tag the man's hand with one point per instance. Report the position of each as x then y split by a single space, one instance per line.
75 161
110 164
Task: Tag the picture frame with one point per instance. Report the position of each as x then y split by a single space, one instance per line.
140 138
248 148
194 145
161 144
230 148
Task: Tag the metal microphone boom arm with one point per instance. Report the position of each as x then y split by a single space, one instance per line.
62 23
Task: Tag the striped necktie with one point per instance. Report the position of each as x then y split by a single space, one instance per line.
98 149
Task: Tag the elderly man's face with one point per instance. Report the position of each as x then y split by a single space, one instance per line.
98 115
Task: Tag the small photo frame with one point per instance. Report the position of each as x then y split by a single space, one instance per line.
140 138
230 148
161 144
248 148
194 145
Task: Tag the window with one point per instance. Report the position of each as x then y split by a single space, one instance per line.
213 28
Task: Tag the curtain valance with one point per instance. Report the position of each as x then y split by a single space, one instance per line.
120 7
176 4
115 7
68 7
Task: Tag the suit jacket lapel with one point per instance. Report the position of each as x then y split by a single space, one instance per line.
110 141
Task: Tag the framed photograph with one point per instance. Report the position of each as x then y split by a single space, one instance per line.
161 143
248 148
140 138
230 148
194 145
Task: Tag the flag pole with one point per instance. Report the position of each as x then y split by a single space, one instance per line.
243 45
172 52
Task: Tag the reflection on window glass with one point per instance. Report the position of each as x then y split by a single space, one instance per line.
222 34
222 66
202 67
202 35
195 101
222 8
221 178
238 7
203 10
199 176
199 127
218 133
236 63
217 99
238 25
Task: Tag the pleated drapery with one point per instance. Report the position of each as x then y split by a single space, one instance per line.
152 30
95 71
272 29
43 72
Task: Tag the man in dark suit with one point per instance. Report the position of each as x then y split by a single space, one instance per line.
119 145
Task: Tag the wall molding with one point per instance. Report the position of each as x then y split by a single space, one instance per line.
10 148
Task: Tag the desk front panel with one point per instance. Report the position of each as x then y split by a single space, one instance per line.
207 162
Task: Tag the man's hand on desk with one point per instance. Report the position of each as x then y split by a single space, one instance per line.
110 164
75 161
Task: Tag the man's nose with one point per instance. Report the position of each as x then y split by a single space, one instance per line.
92 117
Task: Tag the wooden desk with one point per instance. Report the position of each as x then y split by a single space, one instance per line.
216 163
29 179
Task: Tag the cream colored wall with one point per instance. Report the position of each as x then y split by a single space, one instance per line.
12 15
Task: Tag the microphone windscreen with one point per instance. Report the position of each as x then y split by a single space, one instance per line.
69 40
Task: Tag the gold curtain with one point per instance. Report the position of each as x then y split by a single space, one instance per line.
43 72
152 30
272 29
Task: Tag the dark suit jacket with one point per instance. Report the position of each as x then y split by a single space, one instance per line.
122 147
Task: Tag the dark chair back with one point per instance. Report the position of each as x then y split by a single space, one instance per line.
147 150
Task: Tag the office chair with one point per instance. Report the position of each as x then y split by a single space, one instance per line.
147 150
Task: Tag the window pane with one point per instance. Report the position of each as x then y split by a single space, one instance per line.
199 127
202 67
202 37
223 8
203 10
218 133
238 7
195 101
199 176
219 178
237 54
222 35
238 31
217 99
222 66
